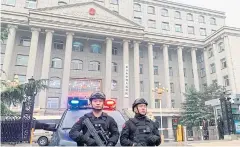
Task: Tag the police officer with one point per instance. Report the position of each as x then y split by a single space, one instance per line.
140 130
99 119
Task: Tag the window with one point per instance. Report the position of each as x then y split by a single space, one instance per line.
76 64
186 86
202 72
151 10
178 28
138 20
226 81
155 54
201 58
157 103
56 63
141 53
114 85
165 12
203 32
96 48
210 53
11 2
183 57
173 103
141 68
177 15
220 47
53 103
204 86
60 3
137 7
224 63
156 84
114 67
141 86
185 72
115 2
114 51
151 23
77 46
191 30
58 44
201 19
21 78
25 41
22 60
55 82
2 58
213 68
213 31
94 66
165 26
189 17
212 21
170 71
32 4
172 87
170 56
155 70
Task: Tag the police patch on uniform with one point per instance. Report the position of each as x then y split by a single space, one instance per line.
124 125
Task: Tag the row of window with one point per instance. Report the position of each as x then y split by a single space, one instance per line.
177 14
226 81
178 27
32 4
220 48
223 65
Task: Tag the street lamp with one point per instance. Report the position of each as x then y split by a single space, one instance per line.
159 91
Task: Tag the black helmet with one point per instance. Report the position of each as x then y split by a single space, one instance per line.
97 95
138 101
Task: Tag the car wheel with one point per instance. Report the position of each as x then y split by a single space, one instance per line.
42 141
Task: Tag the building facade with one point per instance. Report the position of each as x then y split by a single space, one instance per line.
124 48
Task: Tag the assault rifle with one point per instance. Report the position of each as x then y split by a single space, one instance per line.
97 135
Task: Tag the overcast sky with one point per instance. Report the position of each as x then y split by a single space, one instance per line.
230 7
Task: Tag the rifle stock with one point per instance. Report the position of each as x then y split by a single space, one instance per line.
93 132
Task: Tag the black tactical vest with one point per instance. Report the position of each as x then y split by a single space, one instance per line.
143 128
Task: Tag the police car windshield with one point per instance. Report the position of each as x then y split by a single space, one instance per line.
72 117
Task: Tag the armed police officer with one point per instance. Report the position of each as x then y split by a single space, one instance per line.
99 120
140 130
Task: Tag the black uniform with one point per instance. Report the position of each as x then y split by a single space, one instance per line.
79 129
140 131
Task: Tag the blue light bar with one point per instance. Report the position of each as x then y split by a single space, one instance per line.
76 104
74 101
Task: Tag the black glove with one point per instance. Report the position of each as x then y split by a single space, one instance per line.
91 142
152 139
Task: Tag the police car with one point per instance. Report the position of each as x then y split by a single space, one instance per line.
77 108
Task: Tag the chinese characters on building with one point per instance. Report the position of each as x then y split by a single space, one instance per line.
126 81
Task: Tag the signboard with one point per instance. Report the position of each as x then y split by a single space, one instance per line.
83 88
126 81
237 126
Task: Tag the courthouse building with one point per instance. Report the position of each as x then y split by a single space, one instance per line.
125 48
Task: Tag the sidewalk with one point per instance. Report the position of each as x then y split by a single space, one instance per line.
215 143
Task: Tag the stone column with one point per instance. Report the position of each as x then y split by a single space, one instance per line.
46 65
108 68
194 66
33 52
229 64
181 73
125 102
205 53
166 74
9 50
136 70
66 69
170 131
217 64
151 75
